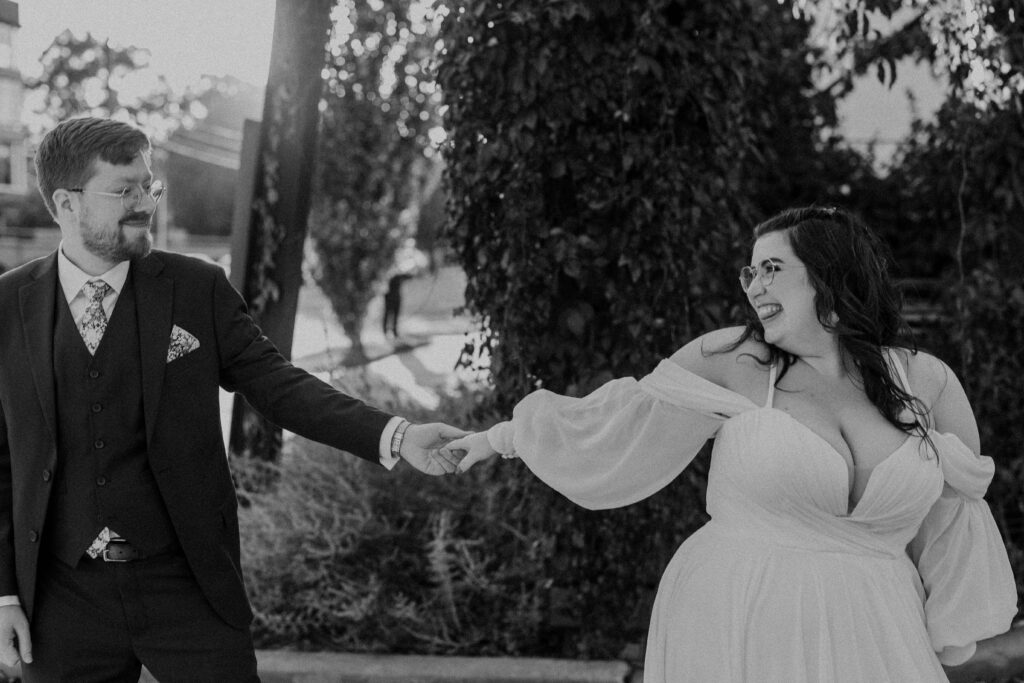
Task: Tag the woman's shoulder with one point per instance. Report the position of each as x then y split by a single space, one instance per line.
936 385
720 355
927 375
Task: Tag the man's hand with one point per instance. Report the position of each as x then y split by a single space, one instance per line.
422 447
474 447
14 627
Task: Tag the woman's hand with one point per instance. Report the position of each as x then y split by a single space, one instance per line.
476 447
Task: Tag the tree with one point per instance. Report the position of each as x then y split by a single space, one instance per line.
272 271
378 106
83 75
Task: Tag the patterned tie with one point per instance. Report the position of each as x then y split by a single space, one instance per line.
92 327
94 322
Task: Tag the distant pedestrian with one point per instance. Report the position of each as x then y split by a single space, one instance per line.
393 302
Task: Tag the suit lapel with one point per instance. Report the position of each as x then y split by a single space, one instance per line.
37 300
154 305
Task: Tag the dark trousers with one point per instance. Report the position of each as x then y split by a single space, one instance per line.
102 621
392 307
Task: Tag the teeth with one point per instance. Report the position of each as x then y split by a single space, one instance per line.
768 310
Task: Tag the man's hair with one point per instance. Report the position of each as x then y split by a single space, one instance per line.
67 154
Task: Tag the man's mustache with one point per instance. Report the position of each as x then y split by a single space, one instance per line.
137 218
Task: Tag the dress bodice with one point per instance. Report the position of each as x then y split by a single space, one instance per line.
770 472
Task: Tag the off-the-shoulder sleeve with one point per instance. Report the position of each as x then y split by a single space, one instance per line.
621 443
969 588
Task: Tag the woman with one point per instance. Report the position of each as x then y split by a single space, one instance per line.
848 538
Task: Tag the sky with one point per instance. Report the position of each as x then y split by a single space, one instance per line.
186 38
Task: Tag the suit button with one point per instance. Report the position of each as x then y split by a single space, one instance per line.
97 407
98 443
101 481
94 374
33 536
47 475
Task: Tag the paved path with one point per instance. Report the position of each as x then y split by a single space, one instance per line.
420 364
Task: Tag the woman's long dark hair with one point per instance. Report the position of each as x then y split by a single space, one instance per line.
855 297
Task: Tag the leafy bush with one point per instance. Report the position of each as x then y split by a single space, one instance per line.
341 555
344 555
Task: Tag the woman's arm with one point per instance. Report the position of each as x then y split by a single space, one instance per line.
1001 656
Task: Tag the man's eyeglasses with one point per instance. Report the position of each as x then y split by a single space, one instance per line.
765 272
131 196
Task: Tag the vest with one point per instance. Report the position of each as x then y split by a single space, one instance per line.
103 476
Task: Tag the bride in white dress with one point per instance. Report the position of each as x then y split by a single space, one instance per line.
848 541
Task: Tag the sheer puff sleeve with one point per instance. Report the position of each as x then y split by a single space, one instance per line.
621 443
970 592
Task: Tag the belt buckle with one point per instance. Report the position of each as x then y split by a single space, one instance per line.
106 551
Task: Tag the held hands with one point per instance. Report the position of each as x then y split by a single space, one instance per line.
15 642
424 447
473 448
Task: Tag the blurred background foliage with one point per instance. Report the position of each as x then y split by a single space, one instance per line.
604 164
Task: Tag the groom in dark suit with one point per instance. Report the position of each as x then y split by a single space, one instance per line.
118 529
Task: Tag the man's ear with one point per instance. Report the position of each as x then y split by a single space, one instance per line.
63 202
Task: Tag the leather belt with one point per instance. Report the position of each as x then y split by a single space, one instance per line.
120 550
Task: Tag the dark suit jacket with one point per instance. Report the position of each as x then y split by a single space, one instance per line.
181 407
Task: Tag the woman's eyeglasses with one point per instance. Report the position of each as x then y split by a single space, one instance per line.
132 195
765 272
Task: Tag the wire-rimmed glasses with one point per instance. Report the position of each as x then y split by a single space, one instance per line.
131 196
765 272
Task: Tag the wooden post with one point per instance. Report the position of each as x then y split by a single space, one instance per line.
281 196
241 218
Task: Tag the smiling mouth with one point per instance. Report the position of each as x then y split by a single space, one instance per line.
768 311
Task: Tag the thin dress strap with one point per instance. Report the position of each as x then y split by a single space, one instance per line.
771 384
901 373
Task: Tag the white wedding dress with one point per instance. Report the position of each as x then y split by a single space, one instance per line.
785 583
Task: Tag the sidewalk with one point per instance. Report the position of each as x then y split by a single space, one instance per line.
420 364
421 361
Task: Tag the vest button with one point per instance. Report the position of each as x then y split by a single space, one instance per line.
101 481
46 475
98 443
33 536
94 374
97 407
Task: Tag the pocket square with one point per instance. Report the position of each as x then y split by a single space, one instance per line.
182 343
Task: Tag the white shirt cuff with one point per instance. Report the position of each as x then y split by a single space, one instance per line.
8 600
386 458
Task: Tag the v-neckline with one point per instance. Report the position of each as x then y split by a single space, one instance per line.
852 507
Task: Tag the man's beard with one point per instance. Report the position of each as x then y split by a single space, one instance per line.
115 247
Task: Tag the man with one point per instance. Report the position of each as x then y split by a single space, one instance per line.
393 303
118 527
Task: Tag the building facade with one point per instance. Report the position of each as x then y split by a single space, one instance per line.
13 144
